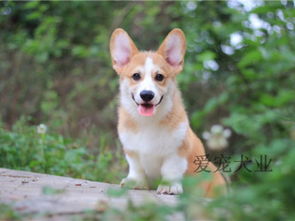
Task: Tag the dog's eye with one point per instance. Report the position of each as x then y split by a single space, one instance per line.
159 77
136 76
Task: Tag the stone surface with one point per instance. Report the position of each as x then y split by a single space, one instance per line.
59 198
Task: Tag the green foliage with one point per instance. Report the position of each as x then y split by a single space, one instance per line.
239 72
267 195
8 213
25 149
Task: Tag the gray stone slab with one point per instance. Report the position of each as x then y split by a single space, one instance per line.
25 192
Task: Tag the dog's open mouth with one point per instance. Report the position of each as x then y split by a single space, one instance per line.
146 109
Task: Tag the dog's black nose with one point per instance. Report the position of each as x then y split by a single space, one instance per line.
147 95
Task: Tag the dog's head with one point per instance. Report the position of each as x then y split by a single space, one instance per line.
147 78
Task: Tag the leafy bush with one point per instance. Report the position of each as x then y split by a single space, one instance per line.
25 149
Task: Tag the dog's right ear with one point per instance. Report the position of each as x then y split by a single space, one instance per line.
173 49
122 49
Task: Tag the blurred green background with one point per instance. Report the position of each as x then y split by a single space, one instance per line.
55 69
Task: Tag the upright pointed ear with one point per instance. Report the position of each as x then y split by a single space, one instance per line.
173 49
122 49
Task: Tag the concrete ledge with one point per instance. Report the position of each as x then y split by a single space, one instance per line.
25 192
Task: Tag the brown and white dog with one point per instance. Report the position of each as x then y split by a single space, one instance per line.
153 125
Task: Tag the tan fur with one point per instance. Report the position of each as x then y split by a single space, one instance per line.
131 154
126 121
192 147
176 116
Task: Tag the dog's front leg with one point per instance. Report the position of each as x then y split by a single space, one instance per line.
136 178
172 171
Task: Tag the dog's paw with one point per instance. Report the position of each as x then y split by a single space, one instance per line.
173 189
134 184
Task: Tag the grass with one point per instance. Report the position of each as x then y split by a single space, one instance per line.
23 148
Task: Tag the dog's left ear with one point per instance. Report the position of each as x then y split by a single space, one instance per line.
173 49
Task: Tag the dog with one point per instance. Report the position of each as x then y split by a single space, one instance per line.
153 126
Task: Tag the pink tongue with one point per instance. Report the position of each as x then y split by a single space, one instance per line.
146 111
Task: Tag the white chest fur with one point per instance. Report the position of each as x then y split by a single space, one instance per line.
153 143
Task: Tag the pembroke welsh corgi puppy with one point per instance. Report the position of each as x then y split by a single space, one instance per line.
153 125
